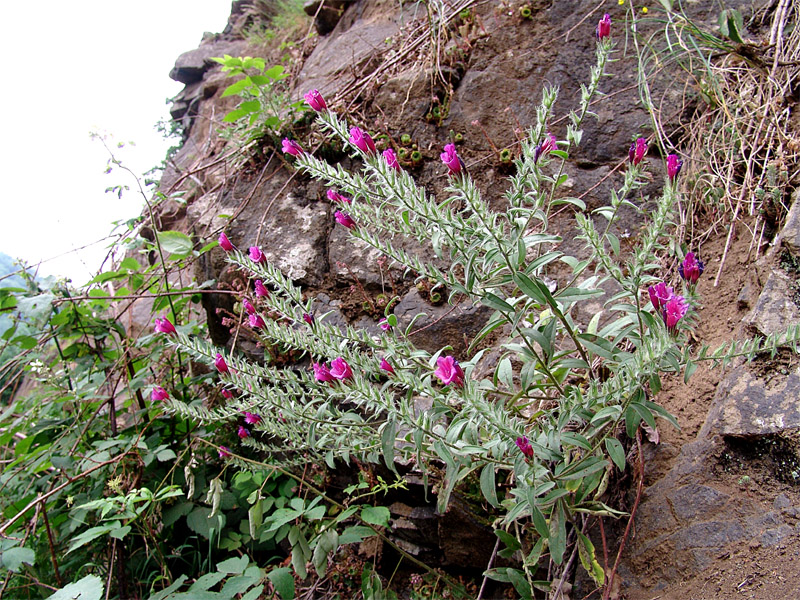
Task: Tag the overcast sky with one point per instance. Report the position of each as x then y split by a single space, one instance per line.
70 68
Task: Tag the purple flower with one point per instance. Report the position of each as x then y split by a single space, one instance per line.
637 150
391 159
674 165
547 146
291 147
524 446
384 324
308 318
225 243
226 393
224 452
248 306
449 371
256 255
675 309
321 372
386 366
261 291
256 322
158 394
251 418
220 363
337 197
340 369
362 141
604 27
165 326
315 100
344 219
243 432
691 268
660 293
452 160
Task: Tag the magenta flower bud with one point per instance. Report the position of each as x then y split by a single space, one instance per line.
225 243
525 446
321 372
308 318
340 369
261 291
243 432
251 418
547 146
675 309
386 366
362 141
674 165
256 322
165 326
226 393
158 394
452 160
315 100
220 363
449 371
660 293
637 150
344 219
603 29
291 147
256 255
384 323
391 159
224 452
691 268
337 197
248 306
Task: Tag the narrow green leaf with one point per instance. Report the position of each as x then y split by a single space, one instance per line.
488 485
616 452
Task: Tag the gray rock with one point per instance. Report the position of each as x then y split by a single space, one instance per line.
775 309
326 13
790 234
190 66
692 501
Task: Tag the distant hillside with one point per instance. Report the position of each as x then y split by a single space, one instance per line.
8 265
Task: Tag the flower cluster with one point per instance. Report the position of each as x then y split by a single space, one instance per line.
338 369
449 371
691 268
672 307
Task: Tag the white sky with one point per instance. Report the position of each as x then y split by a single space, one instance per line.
74 67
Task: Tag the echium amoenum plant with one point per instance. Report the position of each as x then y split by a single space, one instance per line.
545 424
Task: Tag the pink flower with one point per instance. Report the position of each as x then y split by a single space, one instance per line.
256 322
315 100
675 309
449 371
158 394
248 306
308 318
674 165
321 372
261 291
386 366
637 150
340 369
165 326
226 393
391 159
452 160
525 446
547 146
225 243
256 255
251 418
243 432
362 141
691 268
384 323
337 197
220 363
344 219
291 147
659 293
603 29
224 452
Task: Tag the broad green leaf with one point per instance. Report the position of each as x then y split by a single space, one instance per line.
89 588
235 565
376 515
13 558
520 583
283 582
175 242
